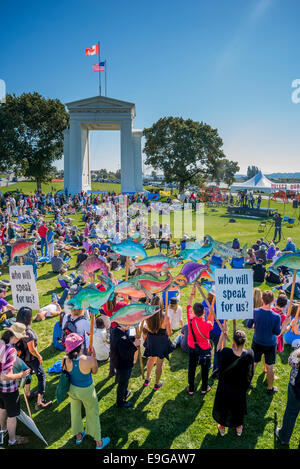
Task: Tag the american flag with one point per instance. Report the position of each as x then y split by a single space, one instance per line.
99 67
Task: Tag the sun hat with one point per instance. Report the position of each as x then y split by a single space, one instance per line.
18 329
73 341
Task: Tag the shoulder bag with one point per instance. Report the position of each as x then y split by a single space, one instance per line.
63 384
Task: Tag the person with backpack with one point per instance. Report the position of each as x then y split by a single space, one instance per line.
76 322
293 401
267 326
199 343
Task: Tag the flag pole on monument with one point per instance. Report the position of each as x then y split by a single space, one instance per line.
99 69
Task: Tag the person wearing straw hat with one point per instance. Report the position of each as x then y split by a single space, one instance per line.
9 394
82 391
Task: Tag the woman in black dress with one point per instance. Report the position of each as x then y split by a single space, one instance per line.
157 343
236 368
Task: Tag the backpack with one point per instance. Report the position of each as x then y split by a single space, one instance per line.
70 327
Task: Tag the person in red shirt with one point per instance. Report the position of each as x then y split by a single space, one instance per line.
198 343
42 231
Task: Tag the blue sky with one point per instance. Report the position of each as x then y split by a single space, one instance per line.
229 63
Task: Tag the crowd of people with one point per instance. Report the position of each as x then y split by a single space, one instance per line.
47 221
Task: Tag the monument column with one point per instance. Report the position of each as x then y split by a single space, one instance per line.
75 171
137 150
66 158
85 162
127 157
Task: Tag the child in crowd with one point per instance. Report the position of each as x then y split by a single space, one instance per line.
100 342
175 314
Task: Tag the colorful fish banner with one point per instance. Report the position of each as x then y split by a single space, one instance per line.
129 248
91 298
291 261
154 284
190 273
20 247
158 263
130 288
195 251
225 250
90 265
133 314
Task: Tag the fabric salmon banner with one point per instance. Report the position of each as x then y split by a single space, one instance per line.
23 287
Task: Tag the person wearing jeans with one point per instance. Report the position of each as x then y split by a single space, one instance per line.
42 231
293 401
29 353
198 342
50 242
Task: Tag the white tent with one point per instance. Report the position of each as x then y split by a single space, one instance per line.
259 182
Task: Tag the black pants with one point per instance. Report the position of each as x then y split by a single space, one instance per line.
122 378
193 362
35 366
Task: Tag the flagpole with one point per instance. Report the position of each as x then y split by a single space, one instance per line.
99 69
105 66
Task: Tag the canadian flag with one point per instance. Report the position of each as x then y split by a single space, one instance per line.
92 50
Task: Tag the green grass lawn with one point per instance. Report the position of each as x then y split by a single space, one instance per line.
29 187
168 418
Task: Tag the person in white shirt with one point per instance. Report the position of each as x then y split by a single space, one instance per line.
100 342
48 311
175 314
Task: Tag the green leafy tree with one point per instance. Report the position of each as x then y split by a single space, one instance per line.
252 171
225 171
183 149
31 135
103 173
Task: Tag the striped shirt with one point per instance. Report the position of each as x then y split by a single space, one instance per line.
8 356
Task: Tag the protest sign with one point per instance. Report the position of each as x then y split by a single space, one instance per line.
23 286
234 293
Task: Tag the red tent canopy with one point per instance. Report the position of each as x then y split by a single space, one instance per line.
280 195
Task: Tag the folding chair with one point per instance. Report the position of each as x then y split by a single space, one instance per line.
63 284
237 263
291 223
262 227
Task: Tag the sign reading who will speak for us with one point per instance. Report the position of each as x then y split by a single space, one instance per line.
23 287
234 293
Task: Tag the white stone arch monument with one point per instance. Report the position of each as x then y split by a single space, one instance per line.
101 113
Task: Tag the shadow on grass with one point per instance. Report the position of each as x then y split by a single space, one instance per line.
284 356
178 360
258 403
50 352
48 275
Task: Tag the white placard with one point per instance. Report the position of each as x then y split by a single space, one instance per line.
234 293
23 287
